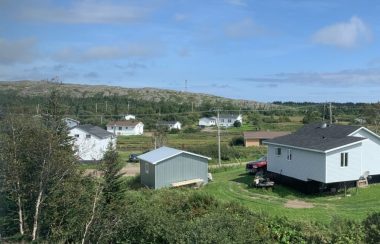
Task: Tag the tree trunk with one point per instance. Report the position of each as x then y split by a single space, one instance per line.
88 224
20 214
36 215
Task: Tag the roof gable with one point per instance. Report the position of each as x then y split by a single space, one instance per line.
94 130
163 153
316 138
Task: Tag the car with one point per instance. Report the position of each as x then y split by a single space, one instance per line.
133 158
256 166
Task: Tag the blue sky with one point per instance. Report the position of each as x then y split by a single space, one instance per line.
272 50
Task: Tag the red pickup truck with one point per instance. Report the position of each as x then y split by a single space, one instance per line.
255 166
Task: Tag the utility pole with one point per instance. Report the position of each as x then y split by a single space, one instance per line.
106 106
96 108
331 120
219 154
128 108
192 107
324 112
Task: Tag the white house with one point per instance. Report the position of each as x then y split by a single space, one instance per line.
325 153
129 117
228 120
170 124
91 142
206 121
126 127
71 122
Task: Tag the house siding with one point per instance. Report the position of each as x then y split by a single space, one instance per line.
305 165
179 168
92 148
252 142
127 130
370 153
336 173
147 179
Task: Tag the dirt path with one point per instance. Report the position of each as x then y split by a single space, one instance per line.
298 204
133 169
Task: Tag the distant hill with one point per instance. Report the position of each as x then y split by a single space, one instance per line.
38 88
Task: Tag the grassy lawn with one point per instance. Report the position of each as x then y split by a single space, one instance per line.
233 185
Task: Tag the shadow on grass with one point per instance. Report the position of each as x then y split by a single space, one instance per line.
278 189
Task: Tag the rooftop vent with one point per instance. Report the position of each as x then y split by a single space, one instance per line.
323 125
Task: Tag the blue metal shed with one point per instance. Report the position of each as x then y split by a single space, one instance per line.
167 167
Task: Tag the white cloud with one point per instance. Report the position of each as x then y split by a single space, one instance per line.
17 51
82 11
236 2
243 29
355 77
114 52
344 35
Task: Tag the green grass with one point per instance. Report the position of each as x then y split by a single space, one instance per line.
233 185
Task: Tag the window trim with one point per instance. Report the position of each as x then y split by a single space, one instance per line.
344 159
276 150
289 155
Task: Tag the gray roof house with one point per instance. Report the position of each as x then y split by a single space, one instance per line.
169 167
325 153
91 142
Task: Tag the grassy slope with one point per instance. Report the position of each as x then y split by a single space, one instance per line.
233 185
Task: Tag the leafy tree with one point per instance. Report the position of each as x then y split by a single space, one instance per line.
237 124
312 116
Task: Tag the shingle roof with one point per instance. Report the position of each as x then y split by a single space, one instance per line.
264 134
163 153
315 137
123 123
334 130
95 130
168 122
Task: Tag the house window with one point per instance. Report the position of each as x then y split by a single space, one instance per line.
343 159
289 156
222 120
146 168
76 135
120 128
229 121
277 151
88 136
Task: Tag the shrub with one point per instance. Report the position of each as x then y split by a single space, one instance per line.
237 124
372 228
237 141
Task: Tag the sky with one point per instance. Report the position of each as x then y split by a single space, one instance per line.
272 50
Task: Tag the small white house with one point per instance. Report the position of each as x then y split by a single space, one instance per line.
206 121
325 153
91 142
129 117
170 124
125 127
228 120
70 123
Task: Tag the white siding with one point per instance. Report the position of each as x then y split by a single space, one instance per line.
336 173
371 152
92 148
127 130
305 165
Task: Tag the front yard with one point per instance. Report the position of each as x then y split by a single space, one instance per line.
233 185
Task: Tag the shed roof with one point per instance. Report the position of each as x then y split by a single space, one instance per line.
164 153
264 134
317 138
95 130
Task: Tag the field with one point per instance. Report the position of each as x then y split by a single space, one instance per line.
203 142
233 185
